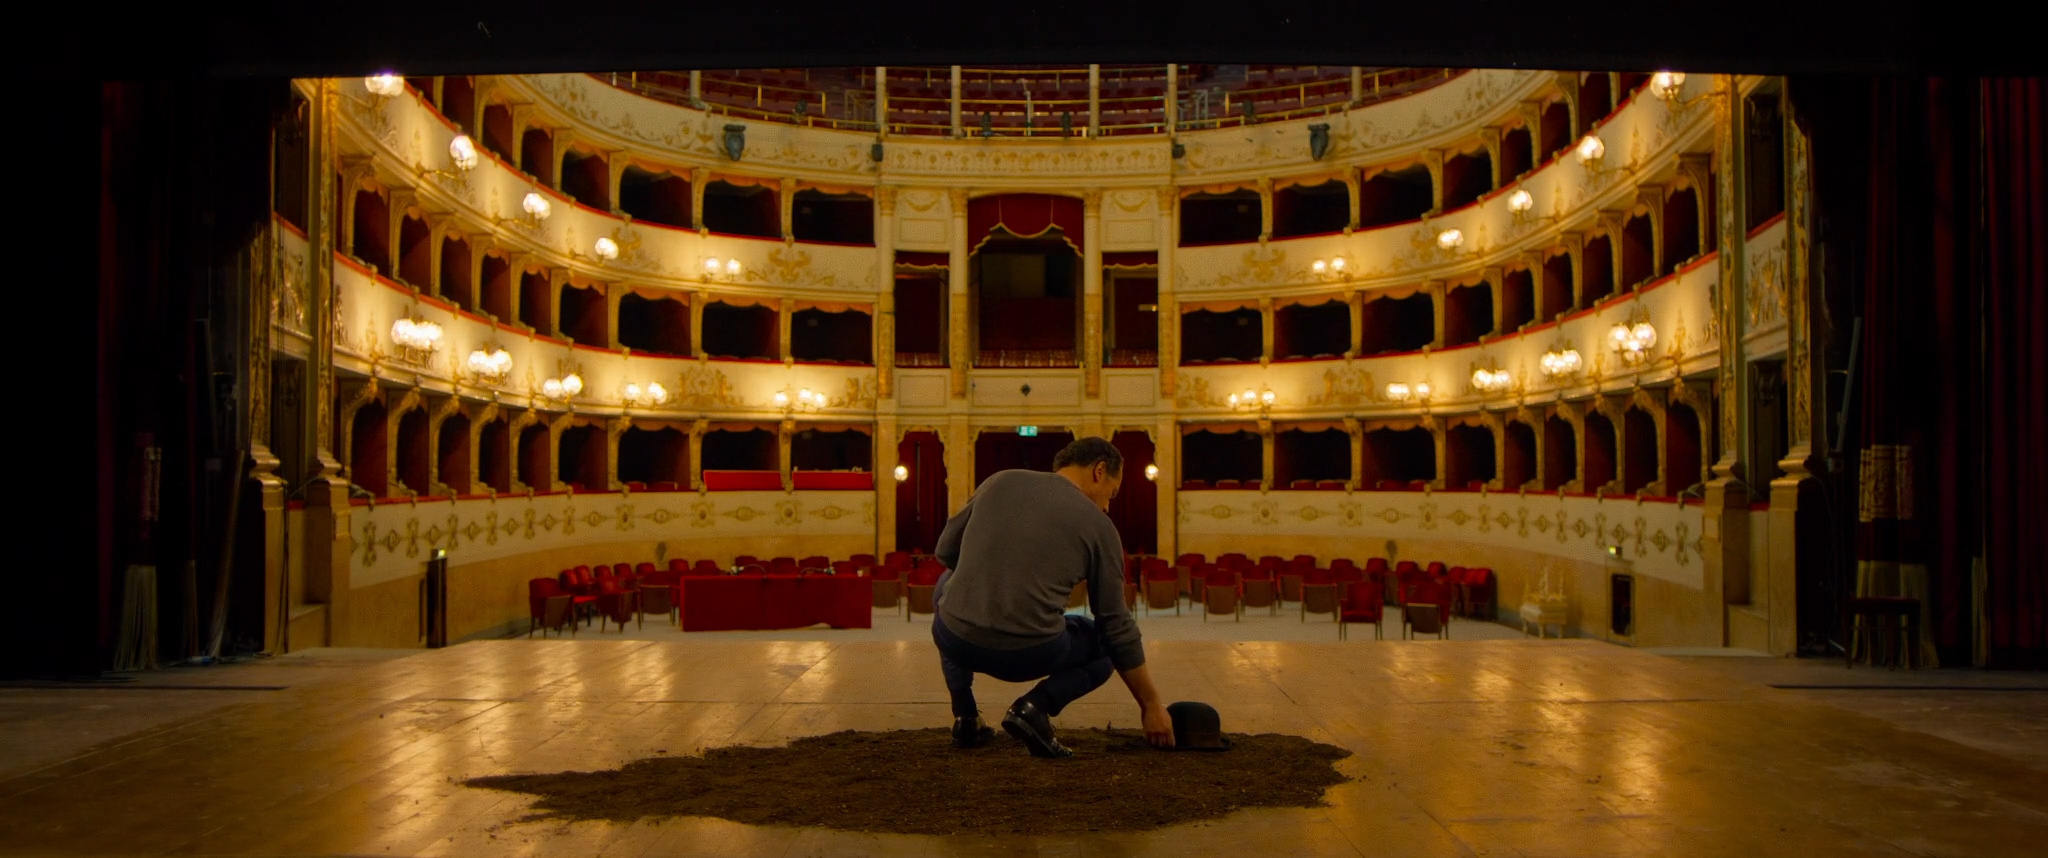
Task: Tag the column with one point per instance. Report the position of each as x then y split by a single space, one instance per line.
787 429
1094 100
1803 376
1265 208
1169 311
697 431
614 294
885 301
959 462
1091 292
1724 534
787 190
558 279
1437 293
517 264
1172 98
614 429
1265 455
1490 136
1357 304
327 539
1357 84
699 177
882 100
1166 454
1493 275
696 87
1266 330
438 227
1351 429
783 309
1351 186
697 301
887 449
262 463
1434 160
956 105
956 288
1575 246
563 139
615 167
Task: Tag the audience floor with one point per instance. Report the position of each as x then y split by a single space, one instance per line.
1461 747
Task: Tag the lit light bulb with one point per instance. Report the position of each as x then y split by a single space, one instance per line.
386 84
462 151
1250 396
537 205
1397 391
1318 266
1337 264
1590 149
781 399
1645 334
1520 201
1152 472
732 267
1450 239
552 388
711 265
902 473
1481 378
1422 390
572 384
656 393
1665 84
1233 400
607 249
1266 397
632 392
501 361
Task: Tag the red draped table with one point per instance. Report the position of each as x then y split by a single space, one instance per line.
733 602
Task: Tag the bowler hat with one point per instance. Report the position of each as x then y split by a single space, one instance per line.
1196 727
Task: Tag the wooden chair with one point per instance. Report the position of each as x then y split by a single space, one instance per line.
1261 591
1318 593
1424 618
557 611
921 586
888 583
1162 590
1223 593
658 599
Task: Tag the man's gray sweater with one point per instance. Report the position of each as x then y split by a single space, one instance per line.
1016 550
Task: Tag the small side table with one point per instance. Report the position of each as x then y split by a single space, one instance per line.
1541 614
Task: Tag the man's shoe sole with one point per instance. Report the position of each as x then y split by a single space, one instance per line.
1039 745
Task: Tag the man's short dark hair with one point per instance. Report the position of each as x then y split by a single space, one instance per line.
1086 452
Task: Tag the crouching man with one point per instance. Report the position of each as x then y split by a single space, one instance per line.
1016 551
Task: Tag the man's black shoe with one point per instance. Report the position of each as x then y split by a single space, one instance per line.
971 733
1034 729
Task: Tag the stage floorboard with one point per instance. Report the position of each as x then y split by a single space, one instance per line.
1514 748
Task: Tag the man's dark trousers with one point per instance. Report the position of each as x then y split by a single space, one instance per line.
1072 665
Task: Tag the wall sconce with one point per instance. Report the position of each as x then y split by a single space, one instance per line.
801 400
1666 84
1329 269
490 367
1590 151
1520 202
416 339
1450 239
902 473
384 85
1318 140
1632 342
653 395
1400 392
462 153
606 249
536 206
1560 364
1491 380
727 271
1260 400
1152 473
562 389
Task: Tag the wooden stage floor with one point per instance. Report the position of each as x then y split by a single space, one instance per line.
1498 748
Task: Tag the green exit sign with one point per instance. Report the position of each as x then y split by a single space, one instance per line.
1027 431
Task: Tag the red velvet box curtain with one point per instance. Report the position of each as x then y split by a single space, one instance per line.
1025 216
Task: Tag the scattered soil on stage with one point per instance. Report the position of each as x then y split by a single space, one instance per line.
915 782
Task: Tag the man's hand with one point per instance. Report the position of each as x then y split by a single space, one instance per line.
1158 726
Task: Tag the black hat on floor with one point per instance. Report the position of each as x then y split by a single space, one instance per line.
1197 727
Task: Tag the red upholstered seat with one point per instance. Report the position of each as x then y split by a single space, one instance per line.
707 567
642 569
678 565
1359 602
1194 485
1190 559
815 561
1223 593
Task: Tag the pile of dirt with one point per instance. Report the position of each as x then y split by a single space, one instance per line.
915 782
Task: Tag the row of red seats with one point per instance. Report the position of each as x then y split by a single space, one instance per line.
614 591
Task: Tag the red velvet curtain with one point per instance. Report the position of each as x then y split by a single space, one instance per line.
1025 215
2015 281
1949 464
